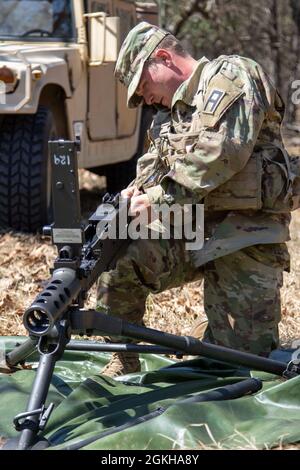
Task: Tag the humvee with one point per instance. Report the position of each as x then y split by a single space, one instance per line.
57 59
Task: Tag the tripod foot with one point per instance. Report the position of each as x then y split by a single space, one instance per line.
5 368
13 444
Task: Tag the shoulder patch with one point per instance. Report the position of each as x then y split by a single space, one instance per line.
213 100
220 94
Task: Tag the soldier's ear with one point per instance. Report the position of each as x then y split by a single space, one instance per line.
164 55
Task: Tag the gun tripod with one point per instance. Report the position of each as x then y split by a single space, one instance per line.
58 339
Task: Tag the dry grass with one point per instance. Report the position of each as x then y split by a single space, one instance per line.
24 265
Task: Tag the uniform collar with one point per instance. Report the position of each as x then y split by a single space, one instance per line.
189 87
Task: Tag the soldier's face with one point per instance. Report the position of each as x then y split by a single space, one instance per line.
158 83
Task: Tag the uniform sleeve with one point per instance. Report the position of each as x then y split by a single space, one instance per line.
227 134
146 166
149 166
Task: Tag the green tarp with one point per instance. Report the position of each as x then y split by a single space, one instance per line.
142 411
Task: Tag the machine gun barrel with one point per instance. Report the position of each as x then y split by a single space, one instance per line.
62 289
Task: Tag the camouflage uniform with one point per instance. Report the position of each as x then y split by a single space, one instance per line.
220 144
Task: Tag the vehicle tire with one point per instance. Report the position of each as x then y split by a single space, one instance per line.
25 179
118 176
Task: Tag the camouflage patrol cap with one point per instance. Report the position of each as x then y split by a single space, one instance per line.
136 49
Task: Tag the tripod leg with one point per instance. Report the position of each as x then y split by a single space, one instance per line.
96 321
31 424
21 352
50 348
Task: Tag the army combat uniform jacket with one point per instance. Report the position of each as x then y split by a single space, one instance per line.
221 145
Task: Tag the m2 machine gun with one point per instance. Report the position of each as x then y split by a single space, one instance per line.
84 252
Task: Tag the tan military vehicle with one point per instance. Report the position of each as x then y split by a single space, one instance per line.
57 59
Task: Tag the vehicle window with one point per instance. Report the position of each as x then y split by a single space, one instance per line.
36 18
126 12
100 6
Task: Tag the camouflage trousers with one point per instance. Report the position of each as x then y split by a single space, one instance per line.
241 290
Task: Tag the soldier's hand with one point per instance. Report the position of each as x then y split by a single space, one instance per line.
130 192
127 193
139 203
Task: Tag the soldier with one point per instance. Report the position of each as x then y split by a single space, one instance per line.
215 140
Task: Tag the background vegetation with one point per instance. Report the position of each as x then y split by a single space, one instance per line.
265 30
269 32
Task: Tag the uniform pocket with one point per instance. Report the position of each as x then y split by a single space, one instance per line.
275 182
241 192
182 143
295 169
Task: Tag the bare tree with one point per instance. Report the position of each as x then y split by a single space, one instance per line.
266 30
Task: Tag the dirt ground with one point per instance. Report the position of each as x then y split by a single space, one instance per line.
25 261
